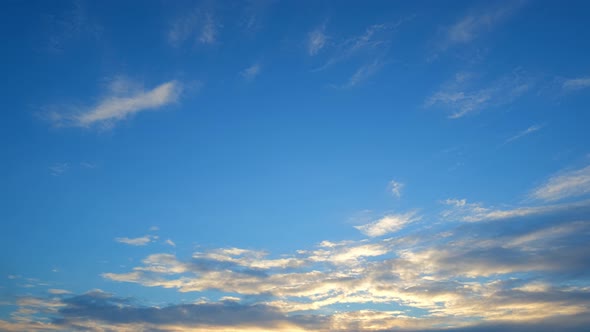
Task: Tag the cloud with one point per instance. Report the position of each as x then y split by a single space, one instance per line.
475 275
473 25
198 25
374 42
316 40
55 291
116 107
576 83
170 243
138 241
507 267
209 31
476 212
58 169
462 95
388 224
251 72
564 185
525 132
396 188
363 73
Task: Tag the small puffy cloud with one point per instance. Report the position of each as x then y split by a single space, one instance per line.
388 224
138 241
316 40
251 72
116 106
564 185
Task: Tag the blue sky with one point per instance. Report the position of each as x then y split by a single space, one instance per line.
295 166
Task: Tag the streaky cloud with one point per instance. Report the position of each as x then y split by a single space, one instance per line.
566 184
115 107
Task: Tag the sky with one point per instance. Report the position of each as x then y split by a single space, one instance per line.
295 166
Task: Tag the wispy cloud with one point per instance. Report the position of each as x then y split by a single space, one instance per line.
374 42
462 95
475 24
170 243
251 72
56 291
58 169
316 40
117 106
198 25
525 132
209 31
64 28
388 224
138 241
576 83
396 188
467 278
363 73
564 185
462 210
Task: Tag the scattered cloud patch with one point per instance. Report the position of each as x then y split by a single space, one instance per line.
58 169
564 185
396 188
462 95
138 241
116 106
388 224
56 291
576 83
474 25
525 132
170 243
316 40
197 25
363 73
251 72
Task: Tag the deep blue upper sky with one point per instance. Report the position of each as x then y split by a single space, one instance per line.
294 165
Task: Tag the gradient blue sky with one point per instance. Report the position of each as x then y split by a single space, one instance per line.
295 166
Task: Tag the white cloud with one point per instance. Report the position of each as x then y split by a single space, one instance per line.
525 132
138 241
197 25
463 95
388 224
316 40
251 72
58 169
396 188
116 107
55 291
566 184
170 243
576 83
461 210
363 73
473 25
209 31
375 42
